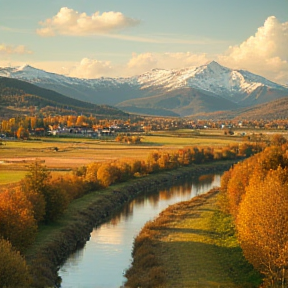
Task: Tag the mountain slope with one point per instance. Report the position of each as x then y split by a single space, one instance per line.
162 90
183 101
107 91
276 109
20 94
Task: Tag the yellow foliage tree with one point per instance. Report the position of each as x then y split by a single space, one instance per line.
236 185
262 226
106 174
17 223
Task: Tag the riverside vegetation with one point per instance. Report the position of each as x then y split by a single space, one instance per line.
32 211
191 244
249 214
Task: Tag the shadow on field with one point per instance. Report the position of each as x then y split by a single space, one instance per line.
196 264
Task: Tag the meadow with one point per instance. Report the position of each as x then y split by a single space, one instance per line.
61 155
190 244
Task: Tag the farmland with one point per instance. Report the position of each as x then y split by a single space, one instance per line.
61 155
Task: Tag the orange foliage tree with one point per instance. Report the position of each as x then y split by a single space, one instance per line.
106 174
17 223
262 226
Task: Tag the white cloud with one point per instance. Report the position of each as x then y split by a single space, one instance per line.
70 22
140 63
9 49
265 53
91 68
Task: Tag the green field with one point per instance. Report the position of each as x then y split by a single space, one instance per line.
65 154
192 245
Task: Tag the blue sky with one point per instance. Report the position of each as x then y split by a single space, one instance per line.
90 39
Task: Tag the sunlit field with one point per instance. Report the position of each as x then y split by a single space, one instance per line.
65 154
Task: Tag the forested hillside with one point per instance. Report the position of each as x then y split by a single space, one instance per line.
18 97
277 109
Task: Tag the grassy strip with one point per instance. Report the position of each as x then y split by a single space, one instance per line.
57 241
191 244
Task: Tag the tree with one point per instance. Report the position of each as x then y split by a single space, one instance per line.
237 183
17 223
34 185
278 140
123 169
262 225
163 161
56 200
152 161
13 270
91 172
106 174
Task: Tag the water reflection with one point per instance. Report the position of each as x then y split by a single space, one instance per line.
100 264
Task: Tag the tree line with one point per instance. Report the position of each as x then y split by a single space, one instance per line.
255 193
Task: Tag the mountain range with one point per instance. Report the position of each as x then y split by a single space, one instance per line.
202 89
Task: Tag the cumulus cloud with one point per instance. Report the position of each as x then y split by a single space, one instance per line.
136 65
140 63
70 22
8 49
91 68
265 53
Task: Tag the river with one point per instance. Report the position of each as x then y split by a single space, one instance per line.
102 261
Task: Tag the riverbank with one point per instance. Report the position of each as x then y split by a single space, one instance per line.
191 244
56 242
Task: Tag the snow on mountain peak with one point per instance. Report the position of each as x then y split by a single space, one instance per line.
211 77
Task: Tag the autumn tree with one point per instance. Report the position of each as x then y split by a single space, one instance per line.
22 133
197 155
56 201
278 140
13 270
48 200
91 172
222 199
123 169
106 174
138 166
73 185
262 226
272 157
17 223
152 161
237 183
34 185
163 161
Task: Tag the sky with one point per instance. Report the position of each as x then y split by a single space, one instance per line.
123 38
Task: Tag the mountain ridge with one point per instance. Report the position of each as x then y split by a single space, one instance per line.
17 94
240 87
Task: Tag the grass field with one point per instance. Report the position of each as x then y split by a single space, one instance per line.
64 154
192 251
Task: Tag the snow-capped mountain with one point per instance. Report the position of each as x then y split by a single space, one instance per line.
172 90
212 77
